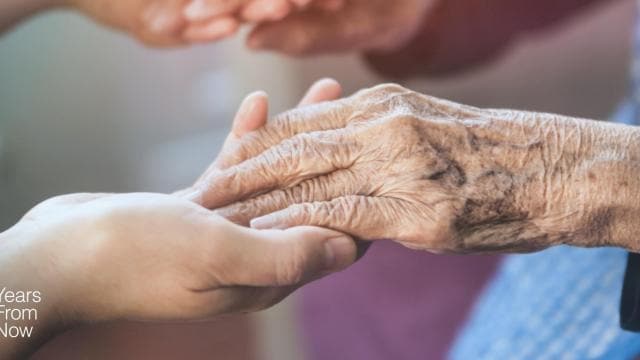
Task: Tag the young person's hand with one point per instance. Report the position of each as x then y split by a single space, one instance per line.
103 257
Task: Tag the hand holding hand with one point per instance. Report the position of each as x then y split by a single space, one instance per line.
99 257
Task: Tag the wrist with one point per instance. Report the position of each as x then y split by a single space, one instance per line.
29 307
611 173
600 193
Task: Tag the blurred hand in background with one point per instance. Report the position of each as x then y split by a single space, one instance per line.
179 22
359 25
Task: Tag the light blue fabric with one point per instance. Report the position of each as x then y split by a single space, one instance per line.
561 303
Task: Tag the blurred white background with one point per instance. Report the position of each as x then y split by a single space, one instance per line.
86 109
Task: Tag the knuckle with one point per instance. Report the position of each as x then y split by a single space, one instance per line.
302 214
403 122
390 88
300 146
339 211
305 191
382 90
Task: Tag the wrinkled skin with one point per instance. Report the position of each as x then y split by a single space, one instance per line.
379 25
178 22
389 163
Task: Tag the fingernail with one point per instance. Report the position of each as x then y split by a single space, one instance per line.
215 30
339 253
266 222
247 107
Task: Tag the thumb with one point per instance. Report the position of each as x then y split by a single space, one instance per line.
251 115
291 257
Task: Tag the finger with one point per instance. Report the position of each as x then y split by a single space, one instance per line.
254 111
283 258
286 126
322 90
199 10
322 188
251 115
161 24
302 157
211 30
307 32
266 10
301 3
364 217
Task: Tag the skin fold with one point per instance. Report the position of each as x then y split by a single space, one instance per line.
157 257
390 163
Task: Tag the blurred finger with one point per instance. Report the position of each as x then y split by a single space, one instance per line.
199 10
161 24
304 33
301 3
211 30
329 5
266 10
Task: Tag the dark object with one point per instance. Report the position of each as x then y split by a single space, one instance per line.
630 301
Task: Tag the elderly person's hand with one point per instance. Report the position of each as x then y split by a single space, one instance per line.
380 25
389 163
